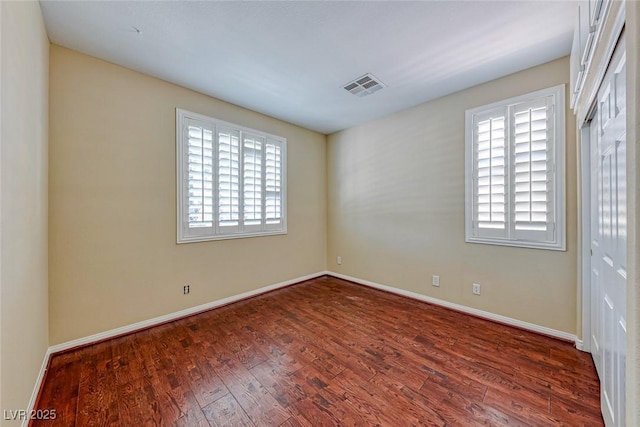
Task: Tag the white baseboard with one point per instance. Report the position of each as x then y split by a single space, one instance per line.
462 308
210 305
176 315
39 381
149 323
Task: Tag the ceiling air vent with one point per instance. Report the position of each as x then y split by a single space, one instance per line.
365 85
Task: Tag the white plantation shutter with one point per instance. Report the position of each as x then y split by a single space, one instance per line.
515 171
273 183
231 180
199 182
228 178
252 180
490 177
533 167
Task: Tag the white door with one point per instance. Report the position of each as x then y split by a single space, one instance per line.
609 239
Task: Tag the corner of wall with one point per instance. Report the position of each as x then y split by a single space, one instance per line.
24 90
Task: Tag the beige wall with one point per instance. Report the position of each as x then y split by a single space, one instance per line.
23 199
396 210
113 258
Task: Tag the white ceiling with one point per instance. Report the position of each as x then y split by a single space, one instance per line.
290 59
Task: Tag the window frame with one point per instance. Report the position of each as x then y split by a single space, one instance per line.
558 242
233 232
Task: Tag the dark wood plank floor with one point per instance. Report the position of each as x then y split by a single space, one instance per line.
322 353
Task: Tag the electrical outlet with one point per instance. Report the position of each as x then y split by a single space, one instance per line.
435 280
185 289
339 260
476 289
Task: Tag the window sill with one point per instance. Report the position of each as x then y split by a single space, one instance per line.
196 239
518 244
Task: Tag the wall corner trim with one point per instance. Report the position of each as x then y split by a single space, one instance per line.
464 309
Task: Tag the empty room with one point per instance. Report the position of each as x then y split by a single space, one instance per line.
319 213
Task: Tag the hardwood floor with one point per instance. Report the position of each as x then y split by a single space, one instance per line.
322 353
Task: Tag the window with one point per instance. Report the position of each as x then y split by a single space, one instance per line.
231 180
515 171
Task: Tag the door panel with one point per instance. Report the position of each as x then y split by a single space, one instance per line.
608 243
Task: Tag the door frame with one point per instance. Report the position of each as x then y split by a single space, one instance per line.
584 145
584 343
